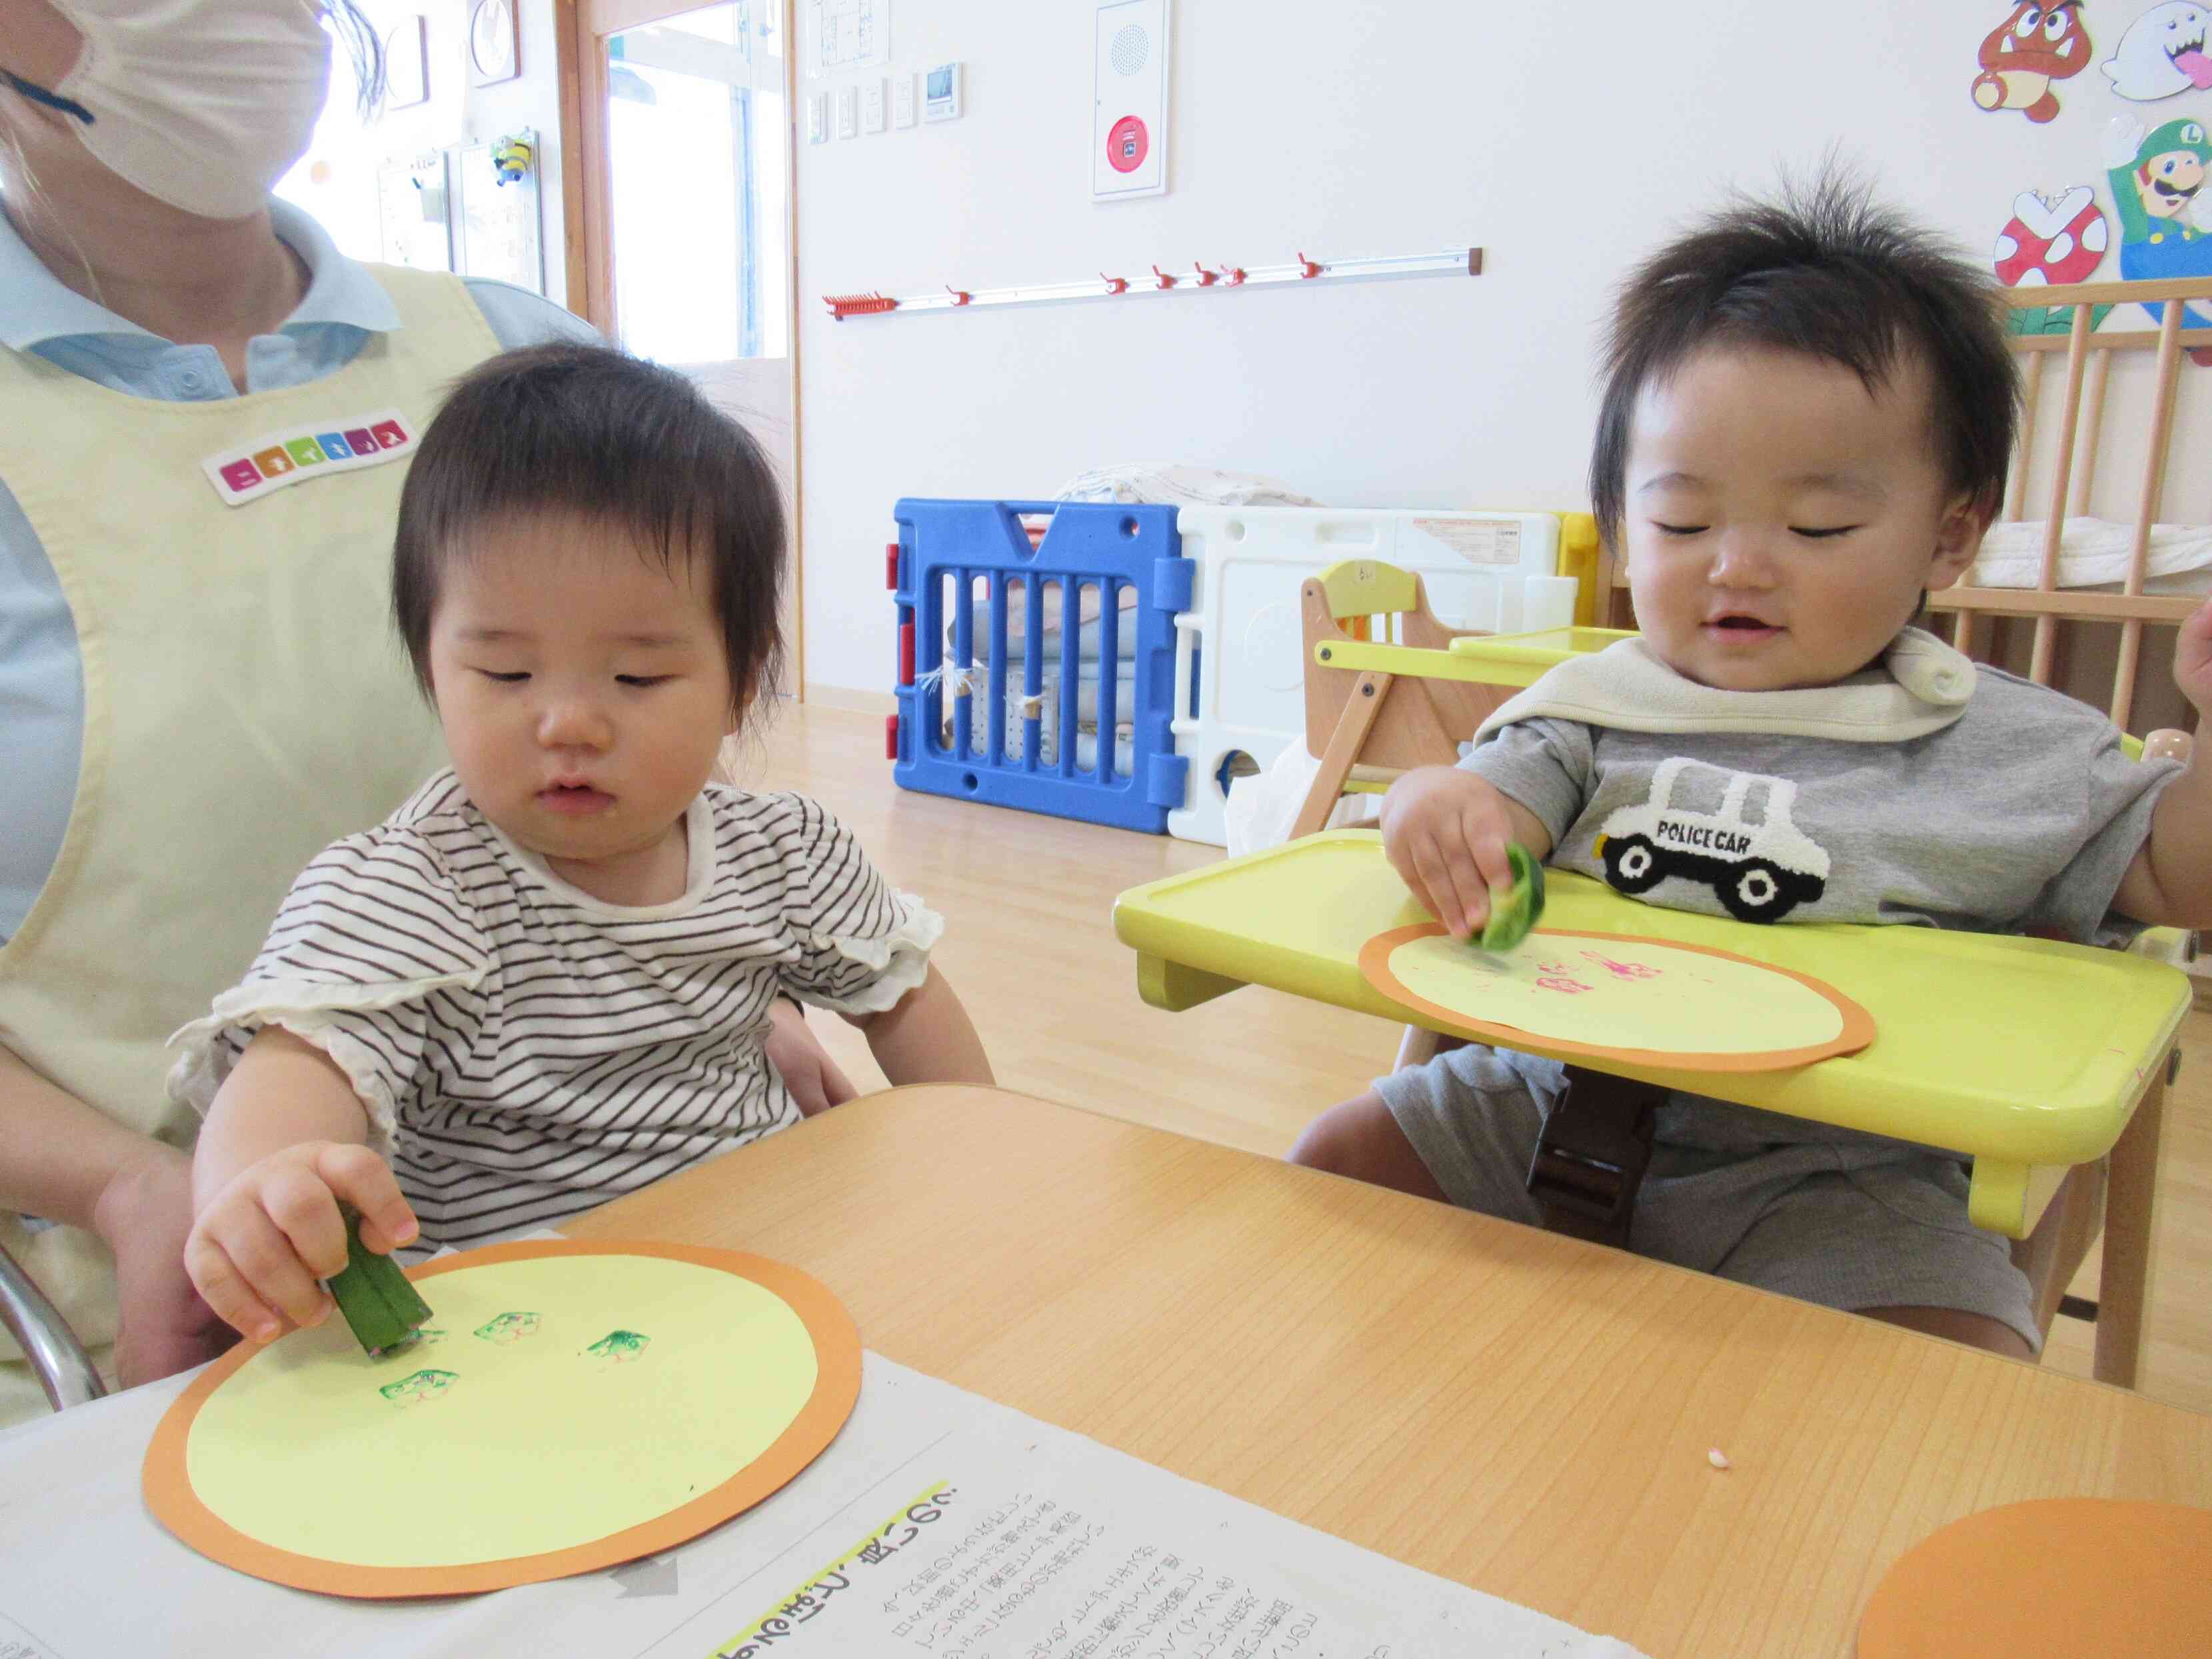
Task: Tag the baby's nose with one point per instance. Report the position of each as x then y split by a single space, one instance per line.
573 723
1742 559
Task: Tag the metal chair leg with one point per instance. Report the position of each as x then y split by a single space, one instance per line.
65 1370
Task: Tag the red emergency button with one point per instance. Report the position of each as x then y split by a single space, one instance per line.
1127 143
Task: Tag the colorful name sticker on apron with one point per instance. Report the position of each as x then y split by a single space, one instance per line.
569 1407
1615 996
269 464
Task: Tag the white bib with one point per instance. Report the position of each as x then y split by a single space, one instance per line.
1922 686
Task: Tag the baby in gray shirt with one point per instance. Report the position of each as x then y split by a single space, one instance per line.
1807 426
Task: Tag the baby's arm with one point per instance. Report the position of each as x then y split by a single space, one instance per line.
1444 830
814 1080
2169 885
926 1037
285 1139
2170 882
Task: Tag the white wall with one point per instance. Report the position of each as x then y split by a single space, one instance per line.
1565 140
344 198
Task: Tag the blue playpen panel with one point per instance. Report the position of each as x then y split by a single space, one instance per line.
1024 655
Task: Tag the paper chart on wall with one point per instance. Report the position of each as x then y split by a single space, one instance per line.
1639 1000
498 227
847 35
414 213
568 1406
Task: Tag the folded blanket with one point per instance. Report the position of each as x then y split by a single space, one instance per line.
2094 553
1181 485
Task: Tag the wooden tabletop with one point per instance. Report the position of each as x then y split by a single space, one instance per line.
1520 1412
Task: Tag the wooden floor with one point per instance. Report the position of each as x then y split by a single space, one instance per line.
1029 945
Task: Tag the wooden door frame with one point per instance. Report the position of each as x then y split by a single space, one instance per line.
579 27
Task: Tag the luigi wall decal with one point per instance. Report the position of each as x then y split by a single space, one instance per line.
2165 217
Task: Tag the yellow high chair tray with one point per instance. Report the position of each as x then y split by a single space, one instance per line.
2026 1055
1524 658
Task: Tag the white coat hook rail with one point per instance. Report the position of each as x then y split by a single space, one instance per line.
1452 262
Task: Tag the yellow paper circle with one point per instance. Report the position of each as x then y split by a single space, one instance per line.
544 1435
1635 1000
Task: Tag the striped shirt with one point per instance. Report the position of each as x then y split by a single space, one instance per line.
525 1051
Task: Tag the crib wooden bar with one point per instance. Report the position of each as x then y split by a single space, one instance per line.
2054 522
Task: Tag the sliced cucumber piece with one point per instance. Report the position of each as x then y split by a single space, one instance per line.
380 1306
1514 912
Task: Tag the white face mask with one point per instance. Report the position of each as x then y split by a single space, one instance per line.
202 103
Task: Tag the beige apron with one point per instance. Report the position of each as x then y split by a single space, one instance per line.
245 704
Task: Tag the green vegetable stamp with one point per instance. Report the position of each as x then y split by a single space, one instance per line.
618 1347
509 1327
418 1387
380 1306
1515 910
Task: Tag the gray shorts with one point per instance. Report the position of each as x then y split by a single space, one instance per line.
1828 1215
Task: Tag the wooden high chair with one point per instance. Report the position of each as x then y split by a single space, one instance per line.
1389 687
2104 448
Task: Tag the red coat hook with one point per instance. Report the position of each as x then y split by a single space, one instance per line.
1115 284
960 296
1232 275
1308 267
1164 280
1205 278
842 305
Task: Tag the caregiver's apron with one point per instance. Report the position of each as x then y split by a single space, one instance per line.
227 565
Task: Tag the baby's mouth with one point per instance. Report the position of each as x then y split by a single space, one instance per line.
572 797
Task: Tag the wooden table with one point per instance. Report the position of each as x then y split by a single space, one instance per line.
1520 1412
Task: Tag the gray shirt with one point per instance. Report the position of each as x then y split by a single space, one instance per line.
2021 816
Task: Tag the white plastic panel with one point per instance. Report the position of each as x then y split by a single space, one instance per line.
1240 642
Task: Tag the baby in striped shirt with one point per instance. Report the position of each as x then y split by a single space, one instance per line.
546 980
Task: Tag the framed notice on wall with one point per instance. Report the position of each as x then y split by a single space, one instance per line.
494 53
496 230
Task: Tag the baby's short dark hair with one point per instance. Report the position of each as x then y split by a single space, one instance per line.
588 430
1824 271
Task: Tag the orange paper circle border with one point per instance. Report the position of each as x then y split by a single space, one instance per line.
1857 1029
2087 1577
169 1493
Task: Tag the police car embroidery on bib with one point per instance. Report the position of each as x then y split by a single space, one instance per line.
1758 863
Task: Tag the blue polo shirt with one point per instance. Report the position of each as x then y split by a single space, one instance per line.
41 675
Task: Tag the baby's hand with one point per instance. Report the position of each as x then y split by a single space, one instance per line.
2193 658
1445 832
258 1248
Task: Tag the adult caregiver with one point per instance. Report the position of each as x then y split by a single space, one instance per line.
198 685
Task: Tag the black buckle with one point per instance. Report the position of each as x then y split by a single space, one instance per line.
1592 1155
